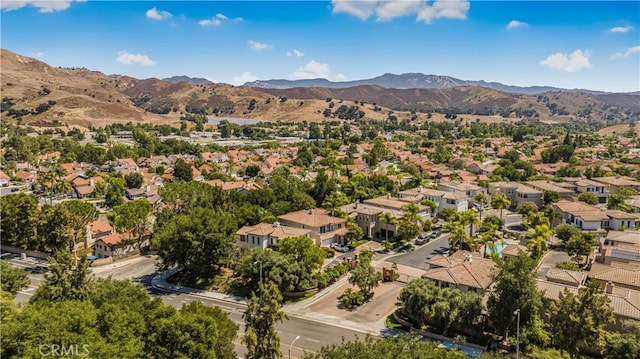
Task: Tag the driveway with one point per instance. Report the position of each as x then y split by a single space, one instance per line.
418 258
549 261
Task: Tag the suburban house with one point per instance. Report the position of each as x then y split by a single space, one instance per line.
112 245
618 182
600 190
388 203
583 215
366 216
466 271
516 193
467 189
564 192
633 202
443 199
4 179
96 230
325 229
265 235
620 249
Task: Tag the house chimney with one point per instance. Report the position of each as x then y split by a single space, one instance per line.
388 195
147 188
91 182
609 287
420 189
276 224
310 211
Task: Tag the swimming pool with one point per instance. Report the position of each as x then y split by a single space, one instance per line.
497 248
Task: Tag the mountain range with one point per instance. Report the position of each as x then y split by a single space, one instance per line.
409 81
36 94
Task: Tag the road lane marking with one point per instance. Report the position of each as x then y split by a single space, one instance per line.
313 340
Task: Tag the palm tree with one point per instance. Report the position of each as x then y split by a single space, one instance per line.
412 212
457 234
63 186
480 197
431 204
387 218
537 218
541 234
470 218
552 212
500 201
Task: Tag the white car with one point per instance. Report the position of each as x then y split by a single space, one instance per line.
339 247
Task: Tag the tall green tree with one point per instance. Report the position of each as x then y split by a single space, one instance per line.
364 275
304 250
182 171
198 242
262 314
398 348
515 288
589 198
134 180
388 219
196 331
13 279
82 213
500 201
576 321
540 236
68 278
133 217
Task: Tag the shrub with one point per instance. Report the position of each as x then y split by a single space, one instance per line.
567 265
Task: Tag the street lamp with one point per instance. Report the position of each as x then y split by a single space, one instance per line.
260 262
517 312
290 346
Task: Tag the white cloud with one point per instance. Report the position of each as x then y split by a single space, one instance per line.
217 20
515 23
386 10
134 59
621 29
212 79
255 45
38 54
156 14
392 9
340 77
210 22
630 51
44 6
311 70
296 53
444 9
572 62
243 78
359 8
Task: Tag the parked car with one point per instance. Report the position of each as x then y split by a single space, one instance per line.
339 247
435 233
423 239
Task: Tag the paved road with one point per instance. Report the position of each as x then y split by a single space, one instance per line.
313 334
418 258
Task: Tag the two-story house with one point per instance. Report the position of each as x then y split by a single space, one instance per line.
598 189
466 271
325 229
265 235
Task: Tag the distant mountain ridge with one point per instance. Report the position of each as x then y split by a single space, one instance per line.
409 81
189 80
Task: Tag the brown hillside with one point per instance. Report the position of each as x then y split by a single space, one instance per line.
42 95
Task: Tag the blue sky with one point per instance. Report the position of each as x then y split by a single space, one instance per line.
574 44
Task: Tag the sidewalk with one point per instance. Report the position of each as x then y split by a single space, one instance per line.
118 264
298 309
